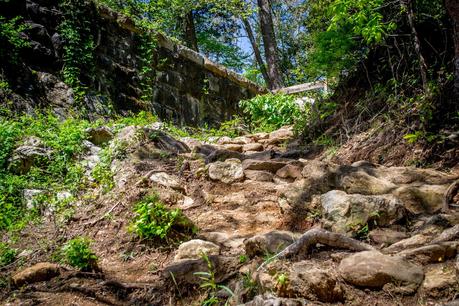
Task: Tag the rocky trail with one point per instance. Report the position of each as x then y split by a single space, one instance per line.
279 225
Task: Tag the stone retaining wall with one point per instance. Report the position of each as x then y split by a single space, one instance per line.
186 87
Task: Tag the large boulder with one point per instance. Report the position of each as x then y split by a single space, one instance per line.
348 213
425 199
374 270
228 172
195 249
37 273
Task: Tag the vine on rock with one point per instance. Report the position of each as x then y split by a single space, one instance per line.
78 45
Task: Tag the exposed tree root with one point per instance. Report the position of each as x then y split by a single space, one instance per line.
319 235
449 195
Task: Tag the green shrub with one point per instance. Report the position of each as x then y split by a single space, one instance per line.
11 39
77 253
61 172
271 111
153 220
7 254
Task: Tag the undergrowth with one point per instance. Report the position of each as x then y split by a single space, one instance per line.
59 171
78 254
153 220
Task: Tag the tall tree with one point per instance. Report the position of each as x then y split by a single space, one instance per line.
453 10
256 51
270 43
189 31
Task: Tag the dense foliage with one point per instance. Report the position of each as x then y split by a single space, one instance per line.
272 111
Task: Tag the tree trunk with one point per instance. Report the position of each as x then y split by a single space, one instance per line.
190 32
270 43
256 51
408 8
453 10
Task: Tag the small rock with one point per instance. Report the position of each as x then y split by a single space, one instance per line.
260 176
166 180
268 299
235 243
100 135
233 147
228 172
184 271
195 248
242 140
187 203
282 134
63 195
29 196
386 236
272 242
440 281
373 269
225 140
290 171
37 273
252 147
259 136
266 165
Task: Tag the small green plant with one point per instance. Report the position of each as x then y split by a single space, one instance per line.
250 284
153 220
282 279
209 283
77 253
243 258
7 254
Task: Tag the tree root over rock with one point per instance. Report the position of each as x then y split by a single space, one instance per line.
319 235
450 194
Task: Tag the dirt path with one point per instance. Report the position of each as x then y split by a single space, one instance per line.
250 197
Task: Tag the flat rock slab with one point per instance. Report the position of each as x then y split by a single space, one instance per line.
265 165
166 180
37 273
260 176
373 269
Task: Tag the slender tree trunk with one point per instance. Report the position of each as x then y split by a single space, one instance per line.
408 8
270 43
453 10
191 39
256 51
